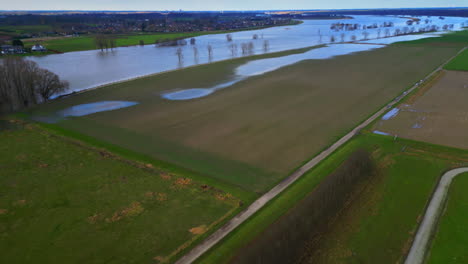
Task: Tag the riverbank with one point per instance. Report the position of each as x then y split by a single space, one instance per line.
83 43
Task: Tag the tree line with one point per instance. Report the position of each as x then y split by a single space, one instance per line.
24 84
286 240
105 42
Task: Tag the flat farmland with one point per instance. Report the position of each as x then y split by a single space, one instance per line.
65 201
257 131
437 114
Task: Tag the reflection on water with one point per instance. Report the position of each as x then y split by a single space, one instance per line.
83 110
391 114
258 67
381 133
188 94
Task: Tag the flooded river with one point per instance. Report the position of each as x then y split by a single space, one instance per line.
88 69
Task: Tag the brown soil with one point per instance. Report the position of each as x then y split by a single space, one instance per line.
198 230
438 113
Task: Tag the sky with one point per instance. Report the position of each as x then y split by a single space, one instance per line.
187 5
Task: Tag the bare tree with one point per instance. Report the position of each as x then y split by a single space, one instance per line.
387 32
24 84
366 35
251 48
195 55
233 49
342 36
379 32
48 84
104 42
266 46
113 43
99 42
180 56
247 48
210 52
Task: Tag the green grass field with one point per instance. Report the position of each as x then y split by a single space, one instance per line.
460 63
451 240
256 132
24 29
65 201
68 44
451 39
408 172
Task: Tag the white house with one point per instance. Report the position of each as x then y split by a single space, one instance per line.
38 47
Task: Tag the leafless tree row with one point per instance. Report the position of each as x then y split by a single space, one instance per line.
24 84
288 238
104 42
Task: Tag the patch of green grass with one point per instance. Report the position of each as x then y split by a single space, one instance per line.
63 201
68 44
451 240
406 179
23 29
458 38
460 63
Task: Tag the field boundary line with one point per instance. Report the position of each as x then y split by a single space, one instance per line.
420 246
258 204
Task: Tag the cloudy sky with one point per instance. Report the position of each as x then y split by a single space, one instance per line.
220 4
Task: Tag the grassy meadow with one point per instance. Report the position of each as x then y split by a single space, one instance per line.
256 132
449 245
460 63
65 201
68 44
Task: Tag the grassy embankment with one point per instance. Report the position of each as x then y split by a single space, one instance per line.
451 239
67 201
256 132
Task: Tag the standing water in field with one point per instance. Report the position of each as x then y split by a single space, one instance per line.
258 67
83 110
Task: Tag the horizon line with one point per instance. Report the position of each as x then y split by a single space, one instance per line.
221 10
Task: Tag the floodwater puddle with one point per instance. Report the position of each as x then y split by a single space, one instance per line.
391 114
381 133
188 94
83 110
417 125
262 66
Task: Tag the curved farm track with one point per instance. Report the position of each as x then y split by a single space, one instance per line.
434 210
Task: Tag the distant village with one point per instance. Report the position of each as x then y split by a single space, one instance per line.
81 24
7 49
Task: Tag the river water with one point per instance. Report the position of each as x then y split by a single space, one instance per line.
88 69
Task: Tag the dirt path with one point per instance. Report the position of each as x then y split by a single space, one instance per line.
214 238
434 210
